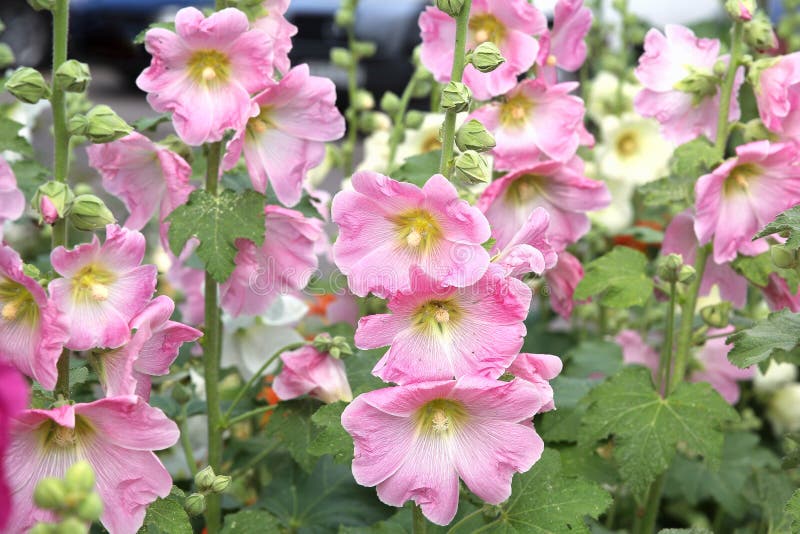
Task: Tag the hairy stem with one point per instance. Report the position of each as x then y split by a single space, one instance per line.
665 362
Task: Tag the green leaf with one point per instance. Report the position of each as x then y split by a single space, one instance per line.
30 175
564 423
789 222
167 516
291 424
647 427
139 38
777 336
544 500
11 140
619 277
694 159
592 357
758 268
668 191
418 169
218 221
149 124
333 439
793 511
359 370
770 491
249 521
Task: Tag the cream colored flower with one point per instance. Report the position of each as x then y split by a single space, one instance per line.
777 376
619 214
784 409
603 94
632 150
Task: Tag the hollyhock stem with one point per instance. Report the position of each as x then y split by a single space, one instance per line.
727 89
247 415
459 62
419 524
398 124
666 351
648 521
351 114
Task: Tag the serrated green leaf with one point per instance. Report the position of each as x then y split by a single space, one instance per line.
418 169
359 370
647 427
694 159
776 337
758 268
332 439
591 357
563 423
770 491
789 222
291 424
78 376
30 175
249 521
11 140
167 516
218 221
792 510
619 277
668 191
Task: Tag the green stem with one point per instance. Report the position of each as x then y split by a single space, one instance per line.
397 121
211 356
727 88
254 460
647 525
459 62
186 444
666 351
687 317
419 524
461 522
351 114
227 423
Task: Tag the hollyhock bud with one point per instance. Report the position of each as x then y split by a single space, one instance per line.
363 100
759 34
783 257
701 85
73 76
308 371
451 7
103 125
669 267
741 10
53 199
80 477
6 56
204 478
27 85
47 210
195 504
90 508
474 136
89 213
364 49
472 168
390 102
345 17
336 346
220 483
341 57
717 315
456 97
50 493
414 119
486 57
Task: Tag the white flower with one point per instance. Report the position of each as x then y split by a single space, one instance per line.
619 214
603 94
633 150
784 409
777 376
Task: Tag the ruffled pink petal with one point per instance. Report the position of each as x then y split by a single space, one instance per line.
561 283
308 371
571 22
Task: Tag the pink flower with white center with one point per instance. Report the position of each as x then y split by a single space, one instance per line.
205 72
679 238
103 287
509 24
714 367
437 333
12 201
13 400
32 331
560 188
538 369
151 350
387 227
667 60
533 121
116 435
779 296
777 91
286 133
145 176
561 283
309 371
743 195
564 46
279 30
416 441
528 251
284 263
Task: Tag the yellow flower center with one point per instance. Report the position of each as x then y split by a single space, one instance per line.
431 143
551 60
17 303
437 315
260 123
525 188
91 283
514 111
440 416
485 27
208 67
417 229
627 144
56 436
740 178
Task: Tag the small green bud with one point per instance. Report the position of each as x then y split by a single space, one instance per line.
451 7
716 316
72 525
390 102
50 493
181 393
341 57
363 100
423 86
783 257
195 504
73 76
720 68
364 48
669 267
335 352
486 57
758 32
686 274
28 85
456 96
345 17
369 121
754 130
414 119
336 347
741 10
89 213
78 125
105 126
204 478
91 508
472 168
6 56
80 477
474 136
43 528
220 483
40 5
51 196
699 84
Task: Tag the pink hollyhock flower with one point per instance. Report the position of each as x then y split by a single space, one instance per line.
387 227
509 24
205 72
285 262
564 45
528 251
668 59
286 134
103 287
636 352
32 331
48 210
307 370
715 368
534 120
279 30
437 333
416 441
561 283
145 176
190 282
561 189
12 201
679 238
743 195
779 296
152 349
777 90
13 400
538 369
115 435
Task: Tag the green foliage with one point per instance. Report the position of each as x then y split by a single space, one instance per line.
595 356
248 521
647 427
139 38
218 221
564 423
776 337
418 169
689 161
758 268
619 277
149 124
333 439
11 140
769 491
793 511
290 423
30 175
167 516
787 222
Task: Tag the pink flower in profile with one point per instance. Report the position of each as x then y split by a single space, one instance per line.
777 91
387 227
12 201
13 400
151 350
416 441
528 251
279 30
538 369
667 60
533 121
309 371
103 287
561 189
145 176
779 296
679 238
32 331
509 24
115 435
561 283
284 263
714 367
286 134
205 72
438 333
635 351
564 46
743 195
